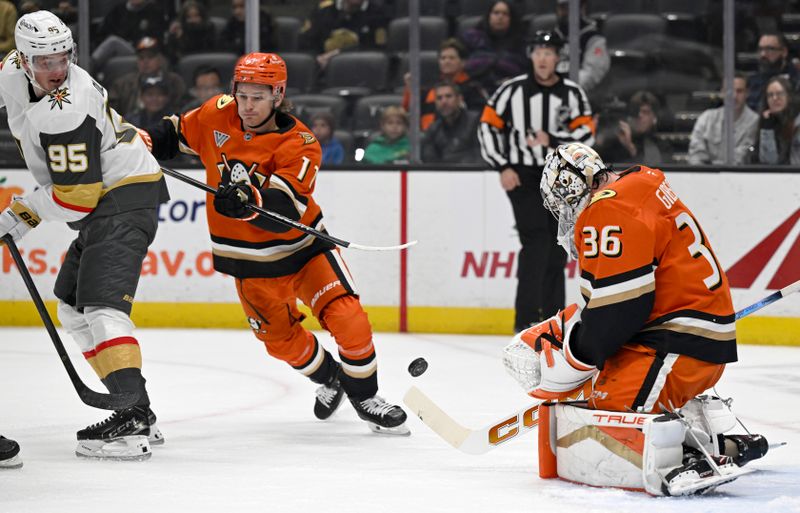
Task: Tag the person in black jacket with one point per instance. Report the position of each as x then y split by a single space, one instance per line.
126 24
452 137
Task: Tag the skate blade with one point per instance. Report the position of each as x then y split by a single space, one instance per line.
126 448
707 484
15 462
400 430
155 438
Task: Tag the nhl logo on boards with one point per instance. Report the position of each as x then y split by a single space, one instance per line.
220 138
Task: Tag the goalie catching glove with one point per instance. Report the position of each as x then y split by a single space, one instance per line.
17 220
540 359
231 199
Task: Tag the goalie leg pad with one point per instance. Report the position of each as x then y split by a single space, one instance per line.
708 419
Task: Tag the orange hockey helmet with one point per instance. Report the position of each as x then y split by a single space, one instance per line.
262 68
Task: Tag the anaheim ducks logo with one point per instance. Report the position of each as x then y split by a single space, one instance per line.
604 194
307 138
58 98
236 171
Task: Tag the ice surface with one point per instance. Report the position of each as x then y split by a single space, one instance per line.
241 435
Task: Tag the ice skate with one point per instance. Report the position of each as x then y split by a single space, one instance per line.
329 396
155 437
123 436
9 454
697 475
382 417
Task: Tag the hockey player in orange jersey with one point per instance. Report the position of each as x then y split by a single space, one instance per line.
254 151
655 328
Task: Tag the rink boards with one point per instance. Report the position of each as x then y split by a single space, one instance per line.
460 278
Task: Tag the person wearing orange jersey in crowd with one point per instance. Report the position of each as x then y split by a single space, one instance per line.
255 152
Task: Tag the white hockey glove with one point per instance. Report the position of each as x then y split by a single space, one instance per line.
17 220
547 369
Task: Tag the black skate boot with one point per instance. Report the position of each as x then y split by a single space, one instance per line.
122 436
382 417
9 454
329 396
155 437
746 448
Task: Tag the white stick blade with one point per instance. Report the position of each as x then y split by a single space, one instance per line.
432 416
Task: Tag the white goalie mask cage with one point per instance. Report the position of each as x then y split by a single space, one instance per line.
567 179
41 34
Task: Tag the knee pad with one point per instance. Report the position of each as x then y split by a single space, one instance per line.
75 323
347 321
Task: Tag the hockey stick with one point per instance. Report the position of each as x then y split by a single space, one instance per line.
291 223
482 440
87 395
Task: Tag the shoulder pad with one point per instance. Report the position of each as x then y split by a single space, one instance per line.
224 100
601 195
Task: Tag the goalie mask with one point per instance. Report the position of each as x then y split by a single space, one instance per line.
45 45
570 171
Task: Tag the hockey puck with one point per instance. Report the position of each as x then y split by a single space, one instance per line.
417 367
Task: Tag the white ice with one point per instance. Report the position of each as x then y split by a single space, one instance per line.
241 435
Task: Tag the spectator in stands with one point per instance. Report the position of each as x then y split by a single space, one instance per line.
595 61
496 47
150 61
391 145
779 125
323 125
638 133
8 20
232 37
453 136
708 144
363 19
451 69
28 6
192 32
126 24
154 97
206 82
773 59
67 11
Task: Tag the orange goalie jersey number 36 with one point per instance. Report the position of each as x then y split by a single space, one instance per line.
651 283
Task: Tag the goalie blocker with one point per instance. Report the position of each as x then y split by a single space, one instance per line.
671 454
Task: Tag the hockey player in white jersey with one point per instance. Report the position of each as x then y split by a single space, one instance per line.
94 173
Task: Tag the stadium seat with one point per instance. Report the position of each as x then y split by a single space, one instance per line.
357 73
348 144
222 61
467 22
473 7
628 73
685 26
634 30
429 67
367 114
287 29
615 6
541 6
302 71
542 22
432 31
426 8
306 105
696 7
116 67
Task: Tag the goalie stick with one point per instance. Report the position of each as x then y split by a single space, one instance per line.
484 439
291 223
87 395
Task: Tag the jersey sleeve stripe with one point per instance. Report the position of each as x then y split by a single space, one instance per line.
701 328
300 201
490 117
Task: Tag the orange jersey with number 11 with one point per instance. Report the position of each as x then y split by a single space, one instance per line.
648 270
287 159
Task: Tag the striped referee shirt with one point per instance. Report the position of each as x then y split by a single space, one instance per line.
520 107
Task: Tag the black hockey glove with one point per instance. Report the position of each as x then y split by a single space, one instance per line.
230 200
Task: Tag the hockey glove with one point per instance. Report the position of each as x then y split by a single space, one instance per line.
17 220
230 200
561 372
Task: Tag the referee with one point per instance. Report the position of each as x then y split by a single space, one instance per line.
522 122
